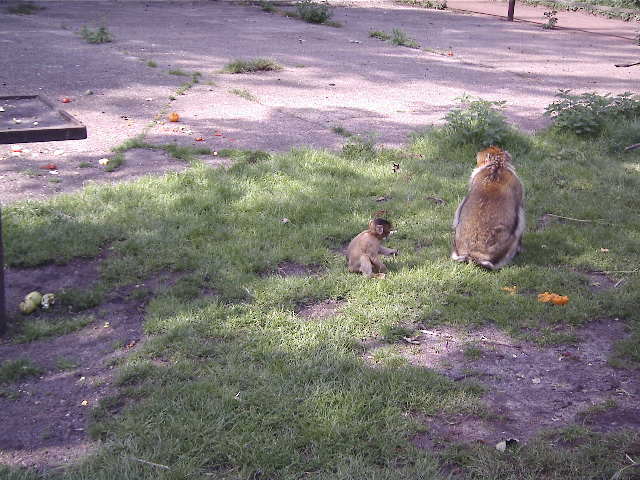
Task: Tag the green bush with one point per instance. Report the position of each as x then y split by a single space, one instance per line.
480 122
312 12
587 113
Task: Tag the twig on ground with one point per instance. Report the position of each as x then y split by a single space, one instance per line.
631 147
150 463
628 64
577 219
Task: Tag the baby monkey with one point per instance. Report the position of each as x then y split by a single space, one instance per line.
489 222
362 252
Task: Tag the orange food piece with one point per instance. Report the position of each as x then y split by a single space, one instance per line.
559 299
553 298
65 100
174 117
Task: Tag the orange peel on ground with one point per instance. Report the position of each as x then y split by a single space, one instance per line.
553 298
511 290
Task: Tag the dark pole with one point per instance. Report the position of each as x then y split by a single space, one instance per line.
512 7
3 309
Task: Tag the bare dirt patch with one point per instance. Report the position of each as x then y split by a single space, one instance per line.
529 387
45 419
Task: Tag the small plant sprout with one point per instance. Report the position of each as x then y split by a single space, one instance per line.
101 34
552 19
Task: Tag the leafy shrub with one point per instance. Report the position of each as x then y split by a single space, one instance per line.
587 113
312 12
479 122
100 35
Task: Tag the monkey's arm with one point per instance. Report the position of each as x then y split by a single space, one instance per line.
387 251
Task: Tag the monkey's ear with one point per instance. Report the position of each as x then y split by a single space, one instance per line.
379 229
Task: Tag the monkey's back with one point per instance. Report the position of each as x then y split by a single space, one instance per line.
365 243
490 220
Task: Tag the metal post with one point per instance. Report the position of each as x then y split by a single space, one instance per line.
512 7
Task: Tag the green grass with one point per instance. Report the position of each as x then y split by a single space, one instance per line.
24 8
396 37
250 66
246 94
12 371
247 388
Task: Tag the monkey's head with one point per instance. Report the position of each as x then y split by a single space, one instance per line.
492 154
380 227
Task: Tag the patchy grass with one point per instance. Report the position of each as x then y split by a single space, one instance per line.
12 371
24 8
238 385
246 94
396 37
250 66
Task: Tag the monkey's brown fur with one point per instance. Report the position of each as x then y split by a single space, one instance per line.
490 221
362 252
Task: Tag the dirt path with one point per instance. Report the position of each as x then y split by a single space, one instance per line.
333 77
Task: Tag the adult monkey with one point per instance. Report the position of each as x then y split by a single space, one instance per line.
490 221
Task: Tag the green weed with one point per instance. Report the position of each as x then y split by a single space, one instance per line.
400 38
246 94
379 34
479 122
101 33
552 19
397 37
250 66
313 12
588 113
